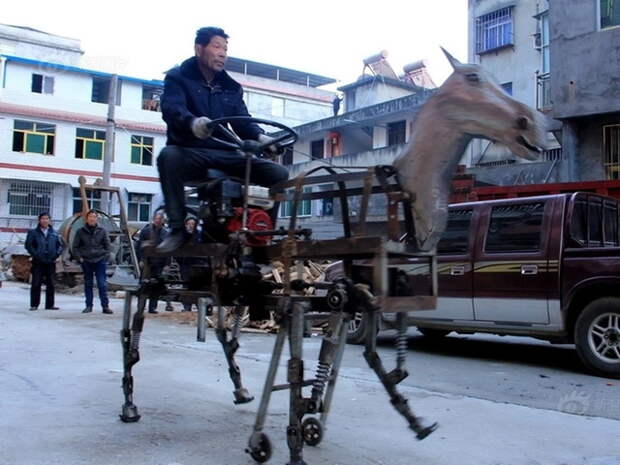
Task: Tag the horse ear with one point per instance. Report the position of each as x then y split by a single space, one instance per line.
453 61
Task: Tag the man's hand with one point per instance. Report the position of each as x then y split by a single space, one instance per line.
200 127
274 149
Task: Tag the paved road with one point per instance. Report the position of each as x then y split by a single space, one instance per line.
499 401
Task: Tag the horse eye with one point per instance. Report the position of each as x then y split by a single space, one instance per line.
472 77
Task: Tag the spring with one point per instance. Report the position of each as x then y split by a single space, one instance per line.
322 375
401 347
238 312
135 339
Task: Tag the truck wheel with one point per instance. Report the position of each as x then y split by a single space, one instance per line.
432 333
358 328
597 336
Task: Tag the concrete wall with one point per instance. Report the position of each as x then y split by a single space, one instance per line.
585 60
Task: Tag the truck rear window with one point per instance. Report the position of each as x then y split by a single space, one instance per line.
594 222
515 228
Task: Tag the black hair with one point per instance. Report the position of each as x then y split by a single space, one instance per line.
42 214
205 34
91 212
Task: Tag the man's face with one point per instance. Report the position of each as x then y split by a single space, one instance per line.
213 55
91 219
44 221
157 221
190 226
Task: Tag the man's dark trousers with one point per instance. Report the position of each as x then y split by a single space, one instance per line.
42 272
178 165
97 269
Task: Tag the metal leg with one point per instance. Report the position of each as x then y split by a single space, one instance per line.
230 347
130 340
259 446
333 377
389 381
297 406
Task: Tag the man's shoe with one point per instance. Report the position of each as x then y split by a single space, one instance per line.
169 308
32 309
87 310
172 242
153 311
52 308
107 311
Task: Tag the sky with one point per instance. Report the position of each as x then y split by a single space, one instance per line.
331 38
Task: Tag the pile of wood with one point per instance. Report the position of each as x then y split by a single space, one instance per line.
312 273
20 267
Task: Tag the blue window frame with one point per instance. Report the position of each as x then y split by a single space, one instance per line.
494 30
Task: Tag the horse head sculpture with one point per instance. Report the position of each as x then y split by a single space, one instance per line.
470 104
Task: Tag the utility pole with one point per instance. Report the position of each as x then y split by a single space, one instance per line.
108 154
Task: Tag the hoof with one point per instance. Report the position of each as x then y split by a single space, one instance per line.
426 431
242 396
130 414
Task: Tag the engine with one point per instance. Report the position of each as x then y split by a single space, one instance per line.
258 220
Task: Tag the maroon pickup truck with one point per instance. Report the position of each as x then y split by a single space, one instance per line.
547 267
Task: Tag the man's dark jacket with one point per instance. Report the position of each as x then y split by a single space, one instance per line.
156 236
42 248
91 244
187 96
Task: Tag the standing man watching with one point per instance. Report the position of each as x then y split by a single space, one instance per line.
44 246
91 247
153 234
195 93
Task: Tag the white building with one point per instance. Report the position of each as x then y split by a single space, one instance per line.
53 117
378 118
510 39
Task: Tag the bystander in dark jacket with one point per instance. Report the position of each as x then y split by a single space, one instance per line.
91 247
152 235
44 246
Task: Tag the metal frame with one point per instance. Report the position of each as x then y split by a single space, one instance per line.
308 414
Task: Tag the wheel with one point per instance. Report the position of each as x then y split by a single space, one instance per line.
358 328
597 336
312 431
260 447
432 333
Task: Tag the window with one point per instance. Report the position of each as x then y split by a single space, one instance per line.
304 207
326 206
151 96
93 197
316 149
139 207
610 222
29 198
455 239
544 43
32 137
515 228
287 156
594 222
101 90
42 84
142 150
494 30
89 144
610 13
396 132
507 87
611 151
543 87
277 106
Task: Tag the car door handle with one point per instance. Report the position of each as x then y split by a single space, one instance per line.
529 270
458 270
